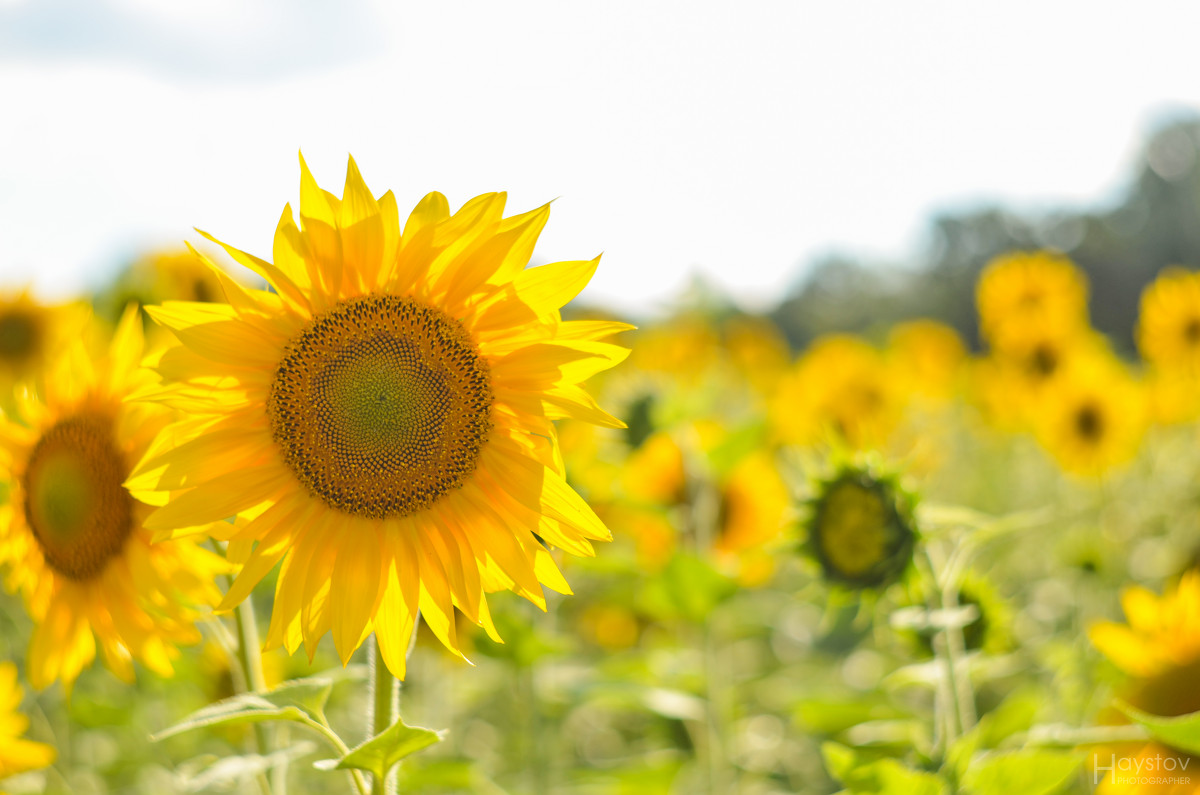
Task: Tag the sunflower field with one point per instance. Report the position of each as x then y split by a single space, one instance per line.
387 509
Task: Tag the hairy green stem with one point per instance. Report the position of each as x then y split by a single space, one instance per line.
385 708
249 659
945 706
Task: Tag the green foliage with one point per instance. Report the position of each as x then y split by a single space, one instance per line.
239 709
688 588
384 751
866 776
1029 772
214 773
1182 732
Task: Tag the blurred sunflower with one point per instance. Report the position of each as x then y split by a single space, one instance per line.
1011 383
861 529
1094 418
928 356
684 347
16 754
654 472
30 334
1159 649
1025 289
757 350
73 537
384 415
1168 332
157 277
841 386
754 507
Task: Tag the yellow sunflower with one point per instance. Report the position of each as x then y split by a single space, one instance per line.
1094 418
655 472
840 386
1159 649
171 275
1011 383
16 754
685 347
757 350
754 507
1029 288
30 334
384 417
1168 331
929 356
73 537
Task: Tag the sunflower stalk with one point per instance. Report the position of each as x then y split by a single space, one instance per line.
955 697
703 529
250 659
250 668
385 709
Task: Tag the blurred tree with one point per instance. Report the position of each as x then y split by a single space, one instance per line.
1155 222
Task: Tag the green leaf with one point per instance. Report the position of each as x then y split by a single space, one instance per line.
878 776
1030 772
242 708
695 587
309 694
738 444
839 760
446 775
829 716
224 773
1181 732
382 752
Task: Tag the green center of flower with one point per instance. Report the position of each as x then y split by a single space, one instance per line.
18 335
859 535
381 406
853 529
74 501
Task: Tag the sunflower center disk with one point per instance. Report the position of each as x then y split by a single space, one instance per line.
854 530
74 501
381 406
18 336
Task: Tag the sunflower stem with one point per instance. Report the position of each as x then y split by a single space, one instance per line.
945 703
250 661
385 709
250 656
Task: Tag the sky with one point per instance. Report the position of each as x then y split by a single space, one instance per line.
739 140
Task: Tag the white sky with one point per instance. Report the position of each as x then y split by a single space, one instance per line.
739 139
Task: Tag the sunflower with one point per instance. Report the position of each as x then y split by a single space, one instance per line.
685 348
927 355
1159 650
73 537
861 529
1168 331
655 472
17 755
1094 418
840 386
30 334
754 506
757 350
383 415
1013 381
1029 288
160 276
